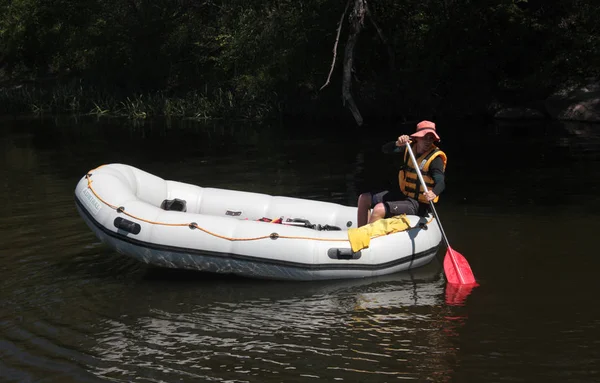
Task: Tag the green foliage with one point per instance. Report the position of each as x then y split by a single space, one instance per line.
256 59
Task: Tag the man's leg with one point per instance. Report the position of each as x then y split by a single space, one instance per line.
378 201
364 206
406 206
391 208
378 212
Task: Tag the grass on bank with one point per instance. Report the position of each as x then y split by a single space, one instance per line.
75 99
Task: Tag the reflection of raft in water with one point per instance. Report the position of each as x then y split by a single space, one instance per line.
177 225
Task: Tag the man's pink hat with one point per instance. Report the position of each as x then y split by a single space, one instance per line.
425 127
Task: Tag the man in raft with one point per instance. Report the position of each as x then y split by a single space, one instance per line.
410 198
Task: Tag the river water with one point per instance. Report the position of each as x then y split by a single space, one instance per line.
522 205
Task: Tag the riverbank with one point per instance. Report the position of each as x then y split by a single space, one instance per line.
74 98
575 102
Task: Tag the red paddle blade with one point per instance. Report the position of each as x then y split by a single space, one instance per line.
457 268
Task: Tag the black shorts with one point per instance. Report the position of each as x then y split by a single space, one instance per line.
397 203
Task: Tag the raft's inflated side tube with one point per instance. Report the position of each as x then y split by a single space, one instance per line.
178 225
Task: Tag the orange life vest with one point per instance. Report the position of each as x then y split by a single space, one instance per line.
408 178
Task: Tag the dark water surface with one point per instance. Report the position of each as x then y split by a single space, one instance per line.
522 205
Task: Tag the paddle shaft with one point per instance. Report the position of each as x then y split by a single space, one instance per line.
437 218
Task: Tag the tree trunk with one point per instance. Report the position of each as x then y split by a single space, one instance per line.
356 20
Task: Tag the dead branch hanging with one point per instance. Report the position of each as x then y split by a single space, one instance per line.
337 40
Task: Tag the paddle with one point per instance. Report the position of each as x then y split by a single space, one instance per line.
456 267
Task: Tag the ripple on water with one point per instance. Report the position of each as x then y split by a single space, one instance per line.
378 329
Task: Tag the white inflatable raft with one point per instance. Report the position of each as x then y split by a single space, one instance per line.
177 225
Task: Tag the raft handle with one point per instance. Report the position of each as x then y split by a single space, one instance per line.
126 225
337 253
